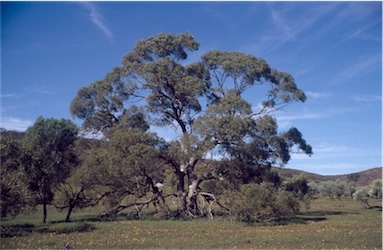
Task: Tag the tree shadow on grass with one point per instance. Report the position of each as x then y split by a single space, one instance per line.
377 208
19 230
290 220
16 230
322 213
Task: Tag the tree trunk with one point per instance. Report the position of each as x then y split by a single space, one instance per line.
192 197
187 197
67 218
182 203
44 212
193 183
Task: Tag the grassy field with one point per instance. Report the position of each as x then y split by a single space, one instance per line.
329 224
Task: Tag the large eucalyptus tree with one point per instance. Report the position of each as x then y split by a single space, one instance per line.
204 102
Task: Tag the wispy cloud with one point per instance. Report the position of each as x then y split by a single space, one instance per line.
286 120
360 67
40 89
10 95
361 34
317 95
282 24
292 26
98 19
304 116
43 91
12 123
333 159
365 98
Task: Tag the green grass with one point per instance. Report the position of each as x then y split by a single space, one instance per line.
329 224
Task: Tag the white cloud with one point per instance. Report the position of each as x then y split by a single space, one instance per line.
12 123
317 95
324 151
98 19
331 159
286 120
304 116
365 98
11 95
361 33
292 26
361 67
283 25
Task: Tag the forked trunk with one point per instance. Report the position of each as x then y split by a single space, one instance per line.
187 197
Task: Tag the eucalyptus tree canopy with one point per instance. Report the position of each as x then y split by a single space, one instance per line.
204 102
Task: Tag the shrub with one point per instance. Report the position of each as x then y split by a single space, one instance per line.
362 196
376 189
365 193
256 202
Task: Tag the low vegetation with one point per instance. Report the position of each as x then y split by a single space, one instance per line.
329 224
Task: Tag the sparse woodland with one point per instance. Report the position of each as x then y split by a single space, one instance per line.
221 151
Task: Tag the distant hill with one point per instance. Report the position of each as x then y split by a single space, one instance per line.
363 178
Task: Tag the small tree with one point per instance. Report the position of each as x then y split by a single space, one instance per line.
349 188
314 190
129 168
81 189
362 196
376 189
78 191
49 157
298 186
13 191
333 189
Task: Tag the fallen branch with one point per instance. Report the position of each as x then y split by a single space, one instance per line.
120 208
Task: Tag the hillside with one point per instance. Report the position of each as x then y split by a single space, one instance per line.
363 178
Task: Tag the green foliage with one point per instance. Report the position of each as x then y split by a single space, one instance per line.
78 191
13 190
353 177
127 170
49 157
376 189
98 103
172 93
246 71
365 194
256 202
298 186
362 196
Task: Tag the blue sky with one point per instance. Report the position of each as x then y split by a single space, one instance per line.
333 49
